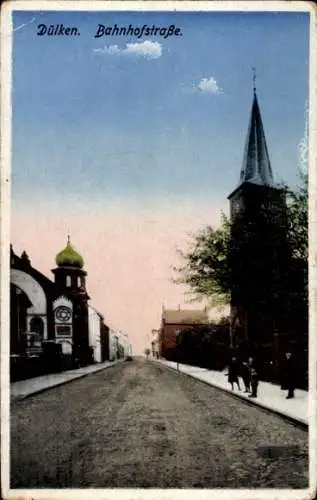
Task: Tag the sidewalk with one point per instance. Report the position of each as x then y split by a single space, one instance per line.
24 388
269 397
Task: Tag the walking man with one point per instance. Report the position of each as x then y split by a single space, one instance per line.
254 378
245 374
288 376
233 373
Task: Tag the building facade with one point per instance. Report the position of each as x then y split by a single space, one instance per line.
95 322
58 312
173 321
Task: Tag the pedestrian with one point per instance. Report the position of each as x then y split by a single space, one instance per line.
288 374
245 374
233 373
254 377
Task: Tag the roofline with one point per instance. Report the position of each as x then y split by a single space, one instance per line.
185 324
235 190
96 311
33 270
186 310
252 184
70 268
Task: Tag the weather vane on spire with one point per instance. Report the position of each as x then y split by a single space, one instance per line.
254 79
68 237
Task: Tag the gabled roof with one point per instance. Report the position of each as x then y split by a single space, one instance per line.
186 317
256 166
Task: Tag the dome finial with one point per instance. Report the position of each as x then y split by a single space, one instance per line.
69 257
254 79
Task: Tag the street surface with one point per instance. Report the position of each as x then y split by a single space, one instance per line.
139 424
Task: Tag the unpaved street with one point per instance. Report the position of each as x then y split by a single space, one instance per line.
139 424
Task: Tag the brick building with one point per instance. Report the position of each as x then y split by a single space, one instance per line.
173 322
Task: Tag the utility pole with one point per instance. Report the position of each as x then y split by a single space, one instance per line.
177 347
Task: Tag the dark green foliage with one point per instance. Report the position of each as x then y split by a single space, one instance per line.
298 241
206 270
204 346
297 201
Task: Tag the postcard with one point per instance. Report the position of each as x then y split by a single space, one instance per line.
158 242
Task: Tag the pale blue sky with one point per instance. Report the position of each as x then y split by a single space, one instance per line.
122 126
128 151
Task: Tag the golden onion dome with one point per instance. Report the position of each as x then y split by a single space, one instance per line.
69 257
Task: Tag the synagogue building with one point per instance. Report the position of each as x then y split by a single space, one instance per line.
57 311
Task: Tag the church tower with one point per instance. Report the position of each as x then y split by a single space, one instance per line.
70 277
70 307
258 249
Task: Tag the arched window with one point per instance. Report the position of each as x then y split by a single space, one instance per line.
78 281
68 281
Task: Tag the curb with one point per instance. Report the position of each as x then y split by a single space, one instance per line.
58 384
251 402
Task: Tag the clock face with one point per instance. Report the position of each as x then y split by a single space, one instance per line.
63 314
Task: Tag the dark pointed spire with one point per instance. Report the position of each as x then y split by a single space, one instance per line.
12 255
256 167
254 78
